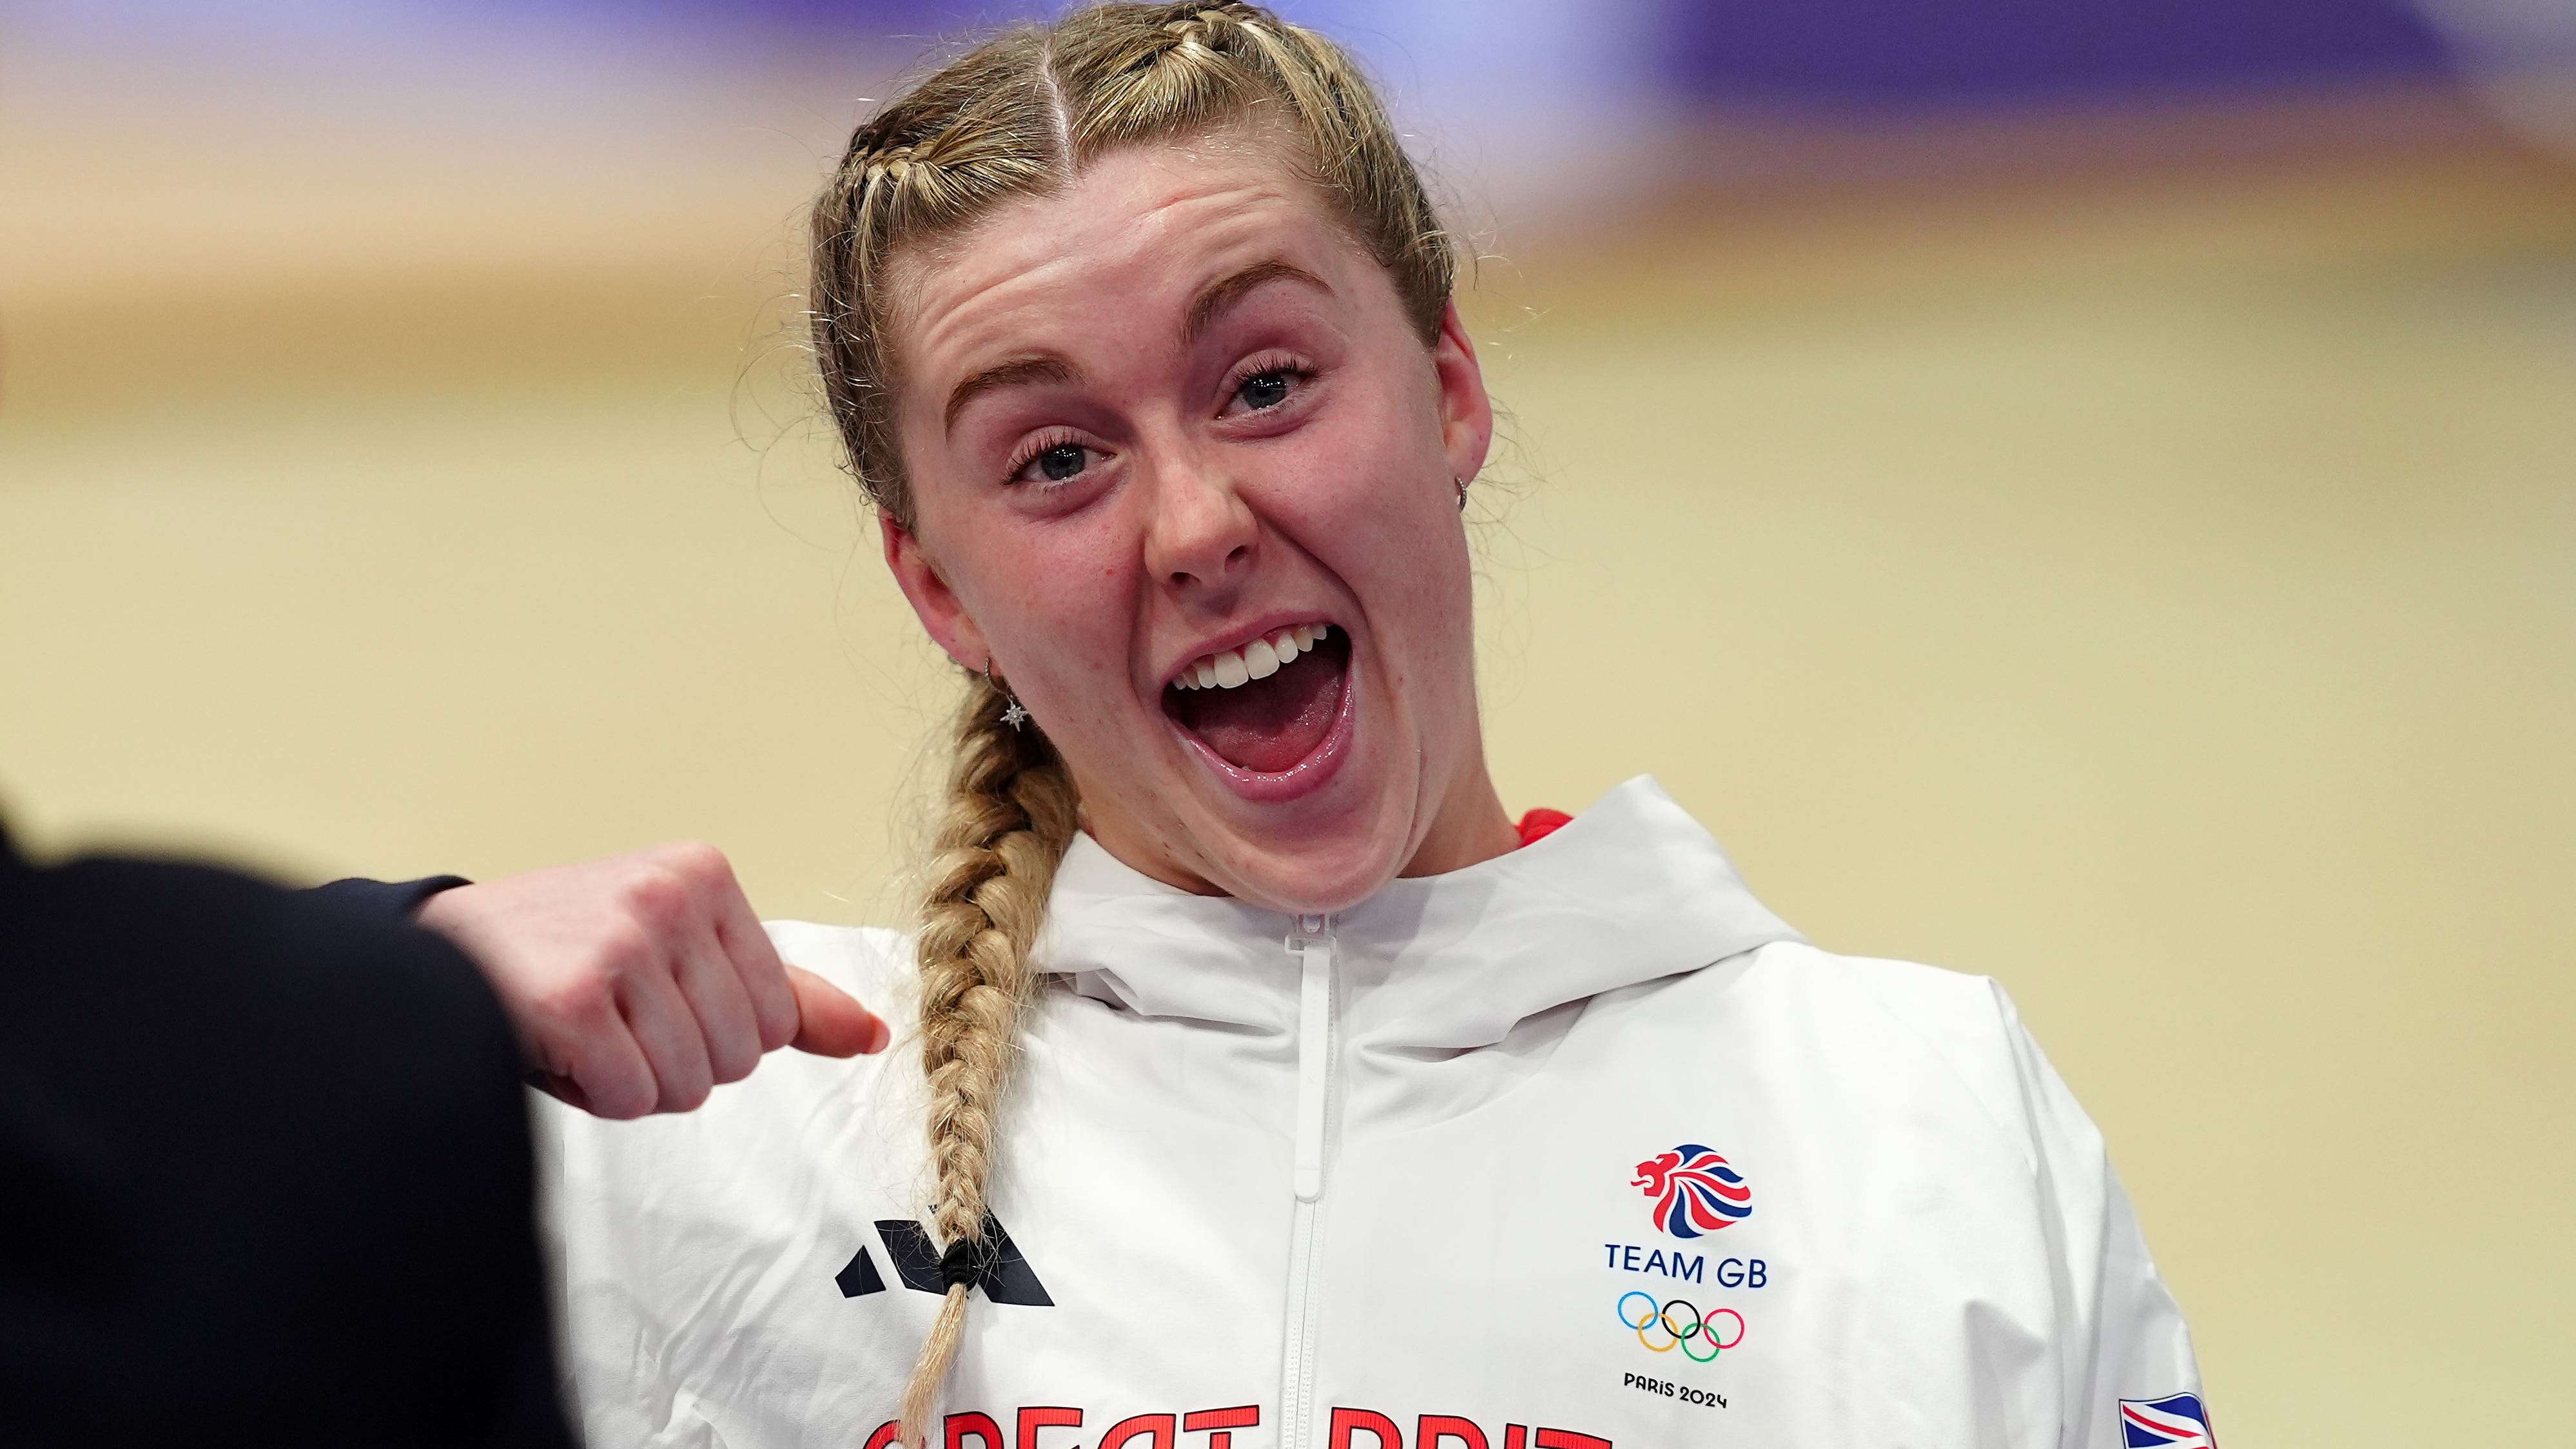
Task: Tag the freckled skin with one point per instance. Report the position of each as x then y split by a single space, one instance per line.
1196 512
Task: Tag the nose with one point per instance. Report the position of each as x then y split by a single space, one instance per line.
1202 536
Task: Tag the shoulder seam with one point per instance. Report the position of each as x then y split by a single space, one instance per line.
2019 1136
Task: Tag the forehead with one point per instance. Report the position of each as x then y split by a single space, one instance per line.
1141 226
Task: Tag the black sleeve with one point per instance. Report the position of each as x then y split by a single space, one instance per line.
268 1173
384 900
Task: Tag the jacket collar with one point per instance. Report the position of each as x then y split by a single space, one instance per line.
1632 890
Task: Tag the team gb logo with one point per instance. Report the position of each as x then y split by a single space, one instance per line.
1694 1191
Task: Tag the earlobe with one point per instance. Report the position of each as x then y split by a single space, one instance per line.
937 605
1466 412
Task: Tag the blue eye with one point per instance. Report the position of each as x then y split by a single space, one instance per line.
1060 462
1264 390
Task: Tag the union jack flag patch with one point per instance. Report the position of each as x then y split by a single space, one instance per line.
2178 1422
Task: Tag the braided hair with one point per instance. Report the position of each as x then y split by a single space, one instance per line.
1020 115
1011 812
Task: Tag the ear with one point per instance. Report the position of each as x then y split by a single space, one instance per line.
1466 413
941 611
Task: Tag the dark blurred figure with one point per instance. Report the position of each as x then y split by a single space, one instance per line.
264 1172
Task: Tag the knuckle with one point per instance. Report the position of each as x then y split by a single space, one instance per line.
574 1003
695 861
659 899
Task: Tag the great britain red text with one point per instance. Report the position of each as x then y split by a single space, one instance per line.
1349 1429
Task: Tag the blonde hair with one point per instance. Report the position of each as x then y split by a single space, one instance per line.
1021 115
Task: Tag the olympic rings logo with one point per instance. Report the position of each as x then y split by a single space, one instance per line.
1655 1319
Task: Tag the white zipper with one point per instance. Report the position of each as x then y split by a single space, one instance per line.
1310 940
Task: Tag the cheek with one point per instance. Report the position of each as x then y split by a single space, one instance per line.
1059 605
1374 504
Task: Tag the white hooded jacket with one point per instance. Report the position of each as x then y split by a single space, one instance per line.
1579 1146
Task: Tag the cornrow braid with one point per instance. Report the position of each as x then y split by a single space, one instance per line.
1011 812
1021 115
1238 62
920 167
1192 28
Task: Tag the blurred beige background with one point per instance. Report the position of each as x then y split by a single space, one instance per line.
2152 586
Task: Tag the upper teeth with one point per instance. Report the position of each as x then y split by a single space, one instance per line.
1259 659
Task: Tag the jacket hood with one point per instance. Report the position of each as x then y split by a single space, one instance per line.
1430 968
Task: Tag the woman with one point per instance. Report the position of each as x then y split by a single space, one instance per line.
1276 1091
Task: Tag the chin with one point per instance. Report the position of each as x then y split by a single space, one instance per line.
1312 879
1326 856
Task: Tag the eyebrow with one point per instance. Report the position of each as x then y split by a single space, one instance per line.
1212 299
1224 292
1007 374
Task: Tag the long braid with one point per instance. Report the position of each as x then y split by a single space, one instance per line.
1011 812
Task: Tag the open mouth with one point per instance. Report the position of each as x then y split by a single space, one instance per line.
1266 706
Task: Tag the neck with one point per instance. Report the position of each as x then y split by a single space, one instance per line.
1471 826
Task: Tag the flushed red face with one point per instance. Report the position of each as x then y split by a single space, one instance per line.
1187 478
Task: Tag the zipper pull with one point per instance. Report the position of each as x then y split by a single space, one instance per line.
1310 939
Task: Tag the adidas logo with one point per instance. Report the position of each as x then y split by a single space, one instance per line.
1006 1276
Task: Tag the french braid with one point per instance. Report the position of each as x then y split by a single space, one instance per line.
1020 115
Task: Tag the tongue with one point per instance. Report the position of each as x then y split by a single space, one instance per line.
1269 724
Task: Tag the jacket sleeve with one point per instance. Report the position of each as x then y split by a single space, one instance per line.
383 900
2122 1339
260 1151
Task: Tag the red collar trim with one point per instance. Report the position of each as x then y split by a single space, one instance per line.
1539 824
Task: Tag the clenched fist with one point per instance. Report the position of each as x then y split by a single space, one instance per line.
639 982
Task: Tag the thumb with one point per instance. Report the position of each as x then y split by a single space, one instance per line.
830 1022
